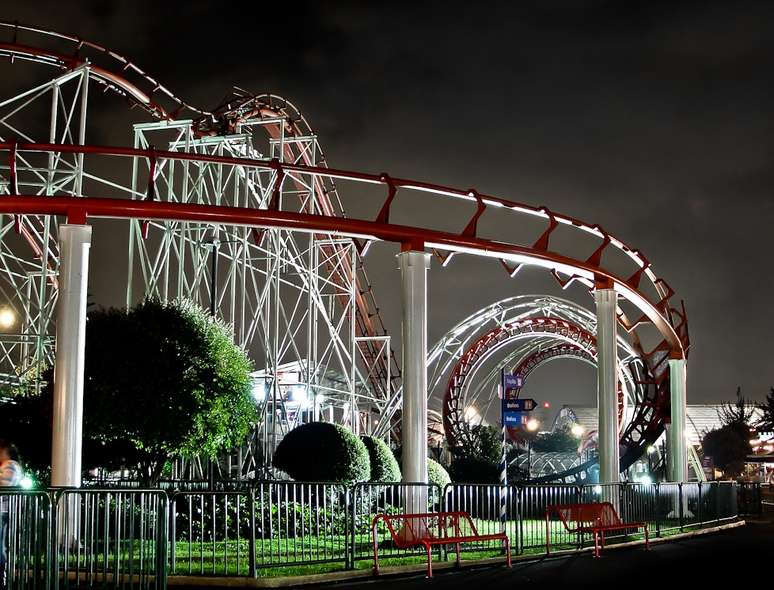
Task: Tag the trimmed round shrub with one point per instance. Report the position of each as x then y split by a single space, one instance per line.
384 467
320 451
437 475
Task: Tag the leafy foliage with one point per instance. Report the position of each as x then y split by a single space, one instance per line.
728 446
740 412
437 475
474 470
479 461
161 380
560 440
767 421
320 451
384 466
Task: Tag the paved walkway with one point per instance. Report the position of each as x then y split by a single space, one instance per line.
741 555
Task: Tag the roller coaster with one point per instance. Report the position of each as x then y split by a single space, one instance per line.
237 209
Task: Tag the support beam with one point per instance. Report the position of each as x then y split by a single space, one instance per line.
677 455
74 244
607 384
413 267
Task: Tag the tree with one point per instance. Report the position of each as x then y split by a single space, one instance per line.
479 460
739 412
766 423
320 451
728 446
560 440
161 380
383 465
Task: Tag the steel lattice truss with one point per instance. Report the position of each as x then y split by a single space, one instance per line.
237 209
522 333
301 304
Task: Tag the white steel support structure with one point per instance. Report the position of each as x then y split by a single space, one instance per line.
413 268
607 384
677 453
74 244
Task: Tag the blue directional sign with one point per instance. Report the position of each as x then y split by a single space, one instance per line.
514 419
519 405
512 381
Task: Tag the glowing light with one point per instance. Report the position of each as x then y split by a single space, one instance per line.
645 480
651 449
471 413
532 425
7 318
26 483
577 430
546 405
597 489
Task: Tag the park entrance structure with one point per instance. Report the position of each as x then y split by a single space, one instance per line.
236 209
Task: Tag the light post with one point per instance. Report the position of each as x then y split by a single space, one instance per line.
532 426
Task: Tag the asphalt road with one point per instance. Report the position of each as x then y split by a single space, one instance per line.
742 555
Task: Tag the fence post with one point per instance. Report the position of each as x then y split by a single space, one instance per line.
163 533
680 503
350 511
700 507
717 502
173 532
658 509
251 566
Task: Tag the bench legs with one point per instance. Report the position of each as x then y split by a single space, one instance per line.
429 560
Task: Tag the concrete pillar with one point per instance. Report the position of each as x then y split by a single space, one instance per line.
74 244
677 455
607 384
413 267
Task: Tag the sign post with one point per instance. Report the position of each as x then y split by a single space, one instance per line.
511 414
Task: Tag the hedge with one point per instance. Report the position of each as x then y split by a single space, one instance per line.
384 467
320 451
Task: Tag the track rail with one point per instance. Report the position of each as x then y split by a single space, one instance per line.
651 298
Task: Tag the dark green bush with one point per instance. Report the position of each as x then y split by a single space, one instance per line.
320 451
474 470
384 467
437 475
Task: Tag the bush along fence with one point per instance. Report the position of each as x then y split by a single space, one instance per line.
136 538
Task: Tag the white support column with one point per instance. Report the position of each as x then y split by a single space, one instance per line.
607 384
677 455
74 244
413 267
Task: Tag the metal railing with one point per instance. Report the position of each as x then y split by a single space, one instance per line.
135 538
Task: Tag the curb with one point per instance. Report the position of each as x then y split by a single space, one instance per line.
399 570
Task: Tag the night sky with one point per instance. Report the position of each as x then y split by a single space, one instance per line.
653 120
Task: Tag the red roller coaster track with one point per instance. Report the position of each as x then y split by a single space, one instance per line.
653 304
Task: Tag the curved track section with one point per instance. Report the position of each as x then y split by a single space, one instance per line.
281 193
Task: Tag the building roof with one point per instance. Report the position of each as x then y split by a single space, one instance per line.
701 418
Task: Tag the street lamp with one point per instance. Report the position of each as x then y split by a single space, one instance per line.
577 430
532 426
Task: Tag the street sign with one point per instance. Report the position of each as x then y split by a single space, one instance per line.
519 405
514 419
511 385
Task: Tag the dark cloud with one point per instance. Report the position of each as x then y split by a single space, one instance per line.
653 119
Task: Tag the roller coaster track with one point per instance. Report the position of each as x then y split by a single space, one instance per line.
124 78
656 325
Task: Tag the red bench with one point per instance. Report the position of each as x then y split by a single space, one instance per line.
436 528
596 518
